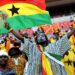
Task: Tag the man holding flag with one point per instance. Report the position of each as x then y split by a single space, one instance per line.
58 48
26 14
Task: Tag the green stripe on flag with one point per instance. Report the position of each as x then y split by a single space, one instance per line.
58 57
23 22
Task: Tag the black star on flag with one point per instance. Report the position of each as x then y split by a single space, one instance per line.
14 10
74 64
66 53
68 62
73 51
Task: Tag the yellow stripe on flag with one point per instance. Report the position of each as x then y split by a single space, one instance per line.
24 9
46 65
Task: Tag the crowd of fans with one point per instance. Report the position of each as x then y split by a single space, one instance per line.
13 47
17 49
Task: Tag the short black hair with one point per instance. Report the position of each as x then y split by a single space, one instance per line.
14 51
17 44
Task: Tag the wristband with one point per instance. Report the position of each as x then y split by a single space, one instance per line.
10 29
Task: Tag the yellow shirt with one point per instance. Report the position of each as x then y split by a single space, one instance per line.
69 58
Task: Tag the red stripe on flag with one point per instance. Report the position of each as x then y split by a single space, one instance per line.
43 71
40 3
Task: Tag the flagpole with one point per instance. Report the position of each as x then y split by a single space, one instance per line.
54 59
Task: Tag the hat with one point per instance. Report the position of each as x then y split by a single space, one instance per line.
2 52
34 28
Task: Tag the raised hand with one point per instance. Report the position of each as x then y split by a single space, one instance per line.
7 26
71 33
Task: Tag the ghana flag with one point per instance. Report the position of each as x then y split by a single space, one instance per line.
24 13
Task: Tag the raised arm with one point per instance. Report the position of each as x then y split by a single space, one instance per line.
71 33
61 46
13 32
